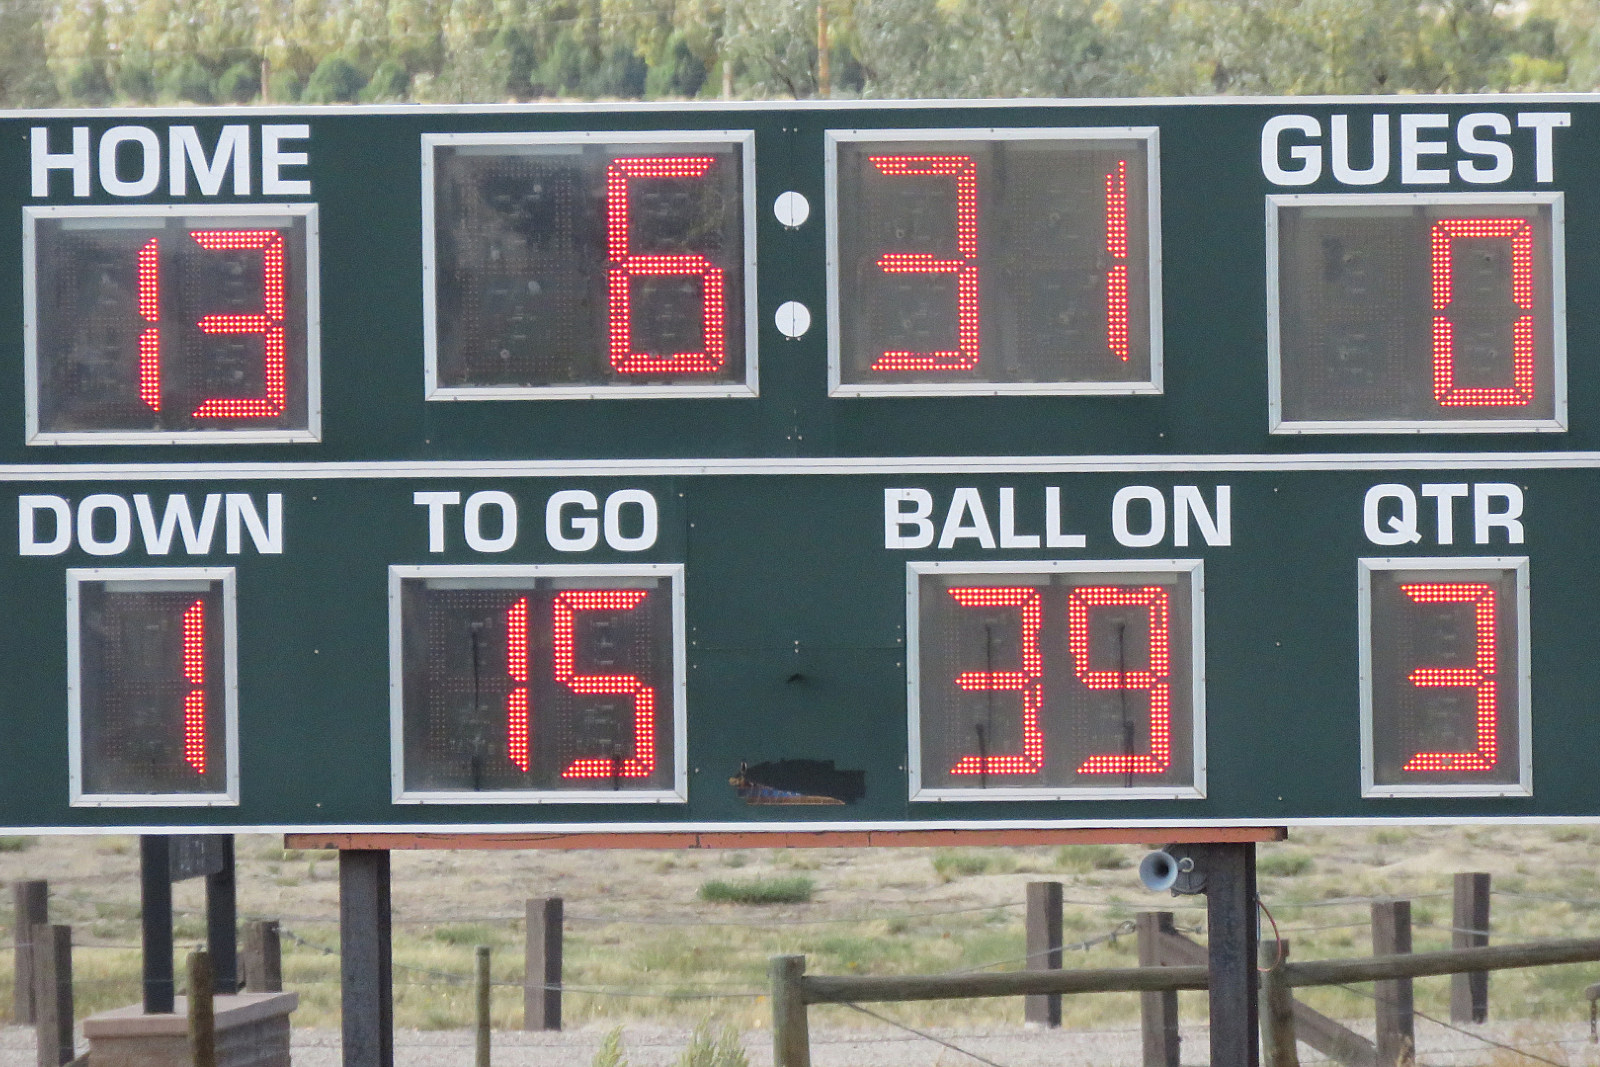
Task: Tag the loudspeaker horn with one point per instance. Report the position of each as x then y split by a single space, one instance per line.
1160 869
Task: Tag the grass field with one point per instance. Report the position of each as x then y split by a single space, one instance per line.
682 937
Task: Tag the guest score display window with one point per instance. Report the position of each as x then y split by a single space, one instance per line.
152 687
1416 313
537 684
1445 677
1056 680
993 261
570 266
171 325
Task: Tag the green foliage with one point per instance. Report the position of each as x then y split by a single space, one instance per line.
389 81
240 83
134 51
611 1052
285 87
952 863
85 83
467 934
335 81
796 889
187 82
676 71
1283 864
703 1050
1081 859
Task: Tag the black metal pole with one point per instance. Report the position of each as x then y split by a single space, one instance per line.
155 913
1230 887
222 918
366 974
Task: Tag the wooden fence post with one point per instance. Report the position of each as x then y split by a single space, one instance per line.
202 1010
1158 1012
481 1003
52 994
1042 936
541 993
1469 993
1396 1031
1277 1008
791 1039
263 957
31 907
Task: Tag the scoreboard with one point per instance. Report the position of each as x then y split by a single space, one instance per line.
802 466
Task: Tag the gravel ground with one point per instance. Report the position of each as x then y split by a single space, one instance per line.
1567 1045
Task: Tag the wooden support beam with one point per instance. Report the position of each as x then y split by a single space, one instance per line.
883 988
1042 938
1396 1025
263 957
1449 961
541 993
1158 1010
30 907
746 839
52 994
791 1038
1277 1008
202 1010
1469 993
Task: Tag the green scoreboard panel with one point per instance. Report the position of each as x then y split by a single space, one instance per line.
822 466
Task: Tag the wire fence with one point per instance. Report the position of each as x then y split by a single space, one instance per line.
304 937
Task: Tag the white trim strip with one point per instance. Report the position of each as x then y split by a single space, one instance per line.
901 466
1296 103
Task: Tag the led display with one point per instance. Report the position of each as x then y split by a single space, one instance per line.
151 686
994 261
1056 679
1445 676
1414 313
151 325
537 683
582 267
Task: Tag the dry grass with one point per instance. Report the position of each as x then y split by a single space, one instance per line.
638 935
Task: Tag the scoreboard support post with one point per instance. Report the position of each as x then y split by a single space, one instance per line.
222 918
155 916
366 964
1230 887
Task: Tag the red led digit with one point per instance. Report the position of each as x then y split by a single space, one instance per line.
1480 676
149 293
964 266
194 672
625 266
1520 392
1151 680
642 763
1029 681
1117 249
517 667
269 322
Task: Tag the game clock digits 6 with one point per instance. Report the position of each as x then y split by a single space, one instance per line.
1056 680
535 684
568 266
171 324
